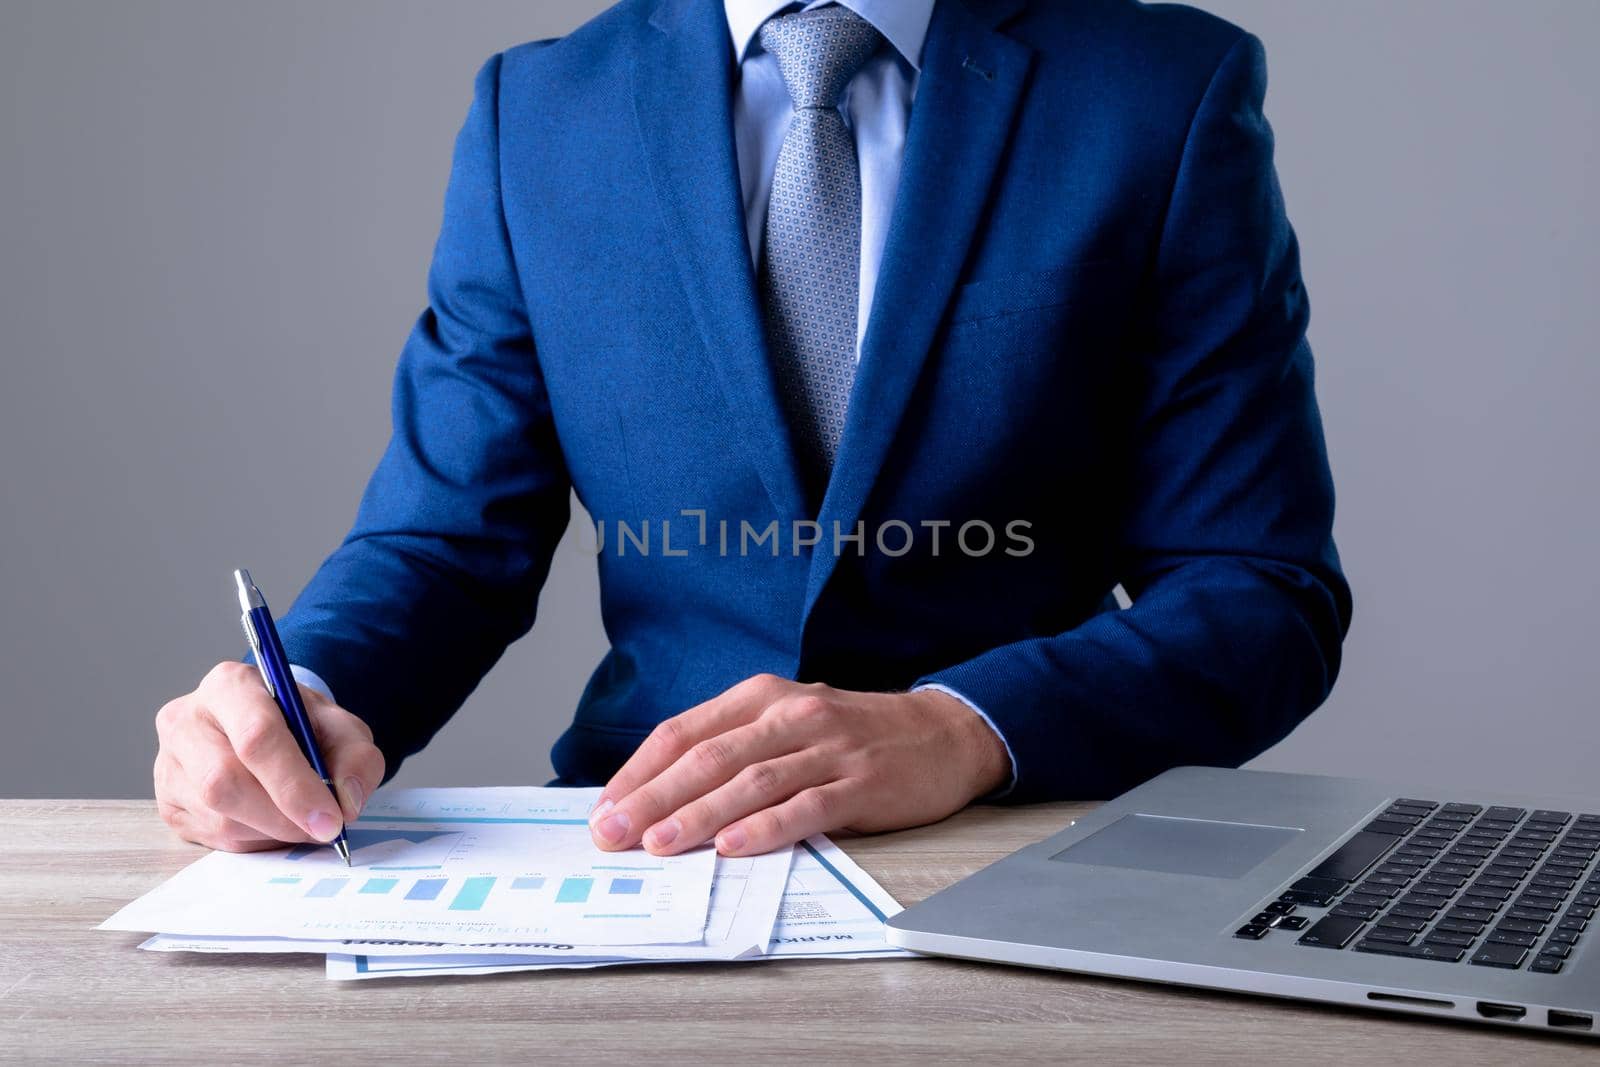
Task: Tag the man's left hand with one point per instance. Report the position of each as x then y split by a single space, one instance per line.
771 762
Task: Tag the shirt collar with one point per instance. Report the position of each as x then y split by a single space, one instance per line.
903 23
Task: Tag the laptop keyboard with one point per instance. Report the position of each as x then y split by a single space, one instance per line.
1497 887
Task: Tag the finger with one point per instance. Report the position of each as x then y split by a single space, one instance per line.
709 764
675 736
354 763
262 741
816 810
759 785
212 779
215 831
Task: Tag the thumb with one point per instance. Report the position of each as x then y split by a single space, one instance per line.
354 763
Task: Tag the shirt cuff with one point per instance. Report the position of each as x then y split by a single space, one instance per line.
980 713
310 679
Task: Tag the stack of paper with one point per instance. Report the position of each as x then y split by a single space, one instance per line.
478 881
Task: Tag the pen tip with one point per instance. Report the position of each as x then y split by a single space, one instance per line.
343 850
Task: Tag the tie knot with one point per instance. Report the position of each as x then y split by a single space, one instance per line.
819 51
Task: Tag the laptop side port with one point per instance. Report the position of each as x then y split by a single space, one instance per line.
1416 1002
1490 1010
1571 1020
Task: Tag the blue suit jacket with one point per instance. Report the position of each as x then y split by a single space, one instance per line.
1089 317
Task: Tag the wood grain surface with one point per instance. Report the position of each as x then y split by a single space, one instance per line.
71 994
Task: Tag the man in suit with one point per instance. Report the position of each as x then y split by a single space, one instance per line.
883 338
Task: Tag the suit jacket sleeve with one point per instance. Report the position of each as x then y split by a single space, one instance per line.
1239 606
455 532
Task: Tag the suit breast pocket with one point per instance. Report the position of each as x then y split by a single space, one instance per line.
995 300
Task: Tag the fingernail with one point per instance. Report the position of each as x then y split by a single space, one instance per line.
324 825
358 796
731 839
612 827
662 834
599 810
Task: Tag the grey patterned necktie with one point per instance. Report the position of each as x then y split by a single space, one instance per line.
811 257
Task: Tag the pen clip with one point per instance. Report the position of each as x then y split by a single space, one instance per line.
255 646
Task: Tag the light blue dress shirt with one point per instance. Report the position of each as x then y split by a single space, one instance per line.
877 109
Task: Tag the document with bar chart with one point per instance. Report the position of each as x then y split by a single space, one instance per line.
460 866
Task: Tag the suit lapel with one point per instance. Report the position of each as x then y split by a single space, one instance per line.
972 80
683 104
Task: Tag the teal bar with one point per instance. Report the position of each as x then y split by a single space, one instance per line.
527 883
472 894
379 885
574 890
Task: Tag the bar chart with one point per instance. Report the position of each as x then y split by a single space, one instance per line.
435 870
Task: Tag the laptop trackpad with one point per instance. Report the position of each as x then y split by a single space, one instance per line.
1179 846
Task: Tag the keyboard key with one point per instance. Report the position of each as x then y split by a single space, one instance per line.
1495 955
1400 817
1353 911
1473 809
1480 902
1366 900
1547 964
1565 937
1251 932
1505 937
1331 931
1385 933
1461 926
1490 881
1469 915
1279 907
1265 918
1573 923
1429 900
1403 866
1351 859
1409 912
1506 814
1538 915
1377 889
1427 950
1396 880
1450 937
1470 855
1292 922
1411 802
1330 886
1553 949
1545 815
1392 921
1521 926
1314 900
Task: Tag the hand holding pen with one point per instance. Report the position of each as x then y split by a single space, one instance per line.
231 774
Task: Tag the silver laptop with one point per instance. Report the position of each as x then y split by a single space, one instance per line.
1475 906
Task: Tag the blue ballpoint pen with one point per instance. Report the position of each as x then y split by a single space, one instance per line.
262 633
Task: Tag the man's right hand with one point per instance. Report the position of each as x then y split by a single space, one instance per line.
230 775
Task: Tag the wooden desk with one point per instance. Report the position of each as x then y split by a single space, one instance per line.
69 993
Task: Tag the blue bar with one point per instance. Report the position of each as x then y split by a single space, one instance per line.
426 888
379 885
327 887
626 885
527 883
472 894
574 890
290 880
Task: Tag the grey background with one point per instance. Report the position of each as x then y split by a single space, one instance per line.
209 208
